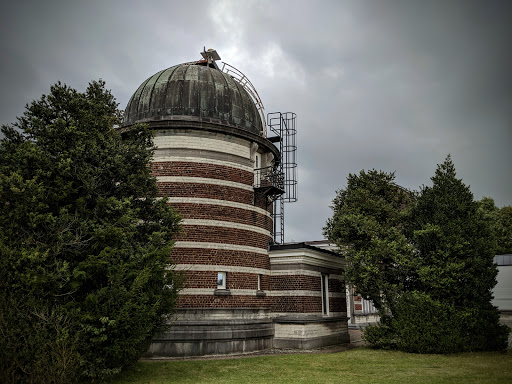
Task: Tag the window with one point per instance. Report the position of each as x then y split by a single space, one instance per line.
325 295
259 282
221 280
257 171
257 160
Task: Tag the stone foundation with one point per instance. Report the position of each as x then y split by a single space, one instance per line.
210 331
308 332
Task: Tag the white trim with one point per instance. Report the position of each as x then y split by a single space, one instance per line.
203 180
218 144
315 314
324 288
220 268
210 291
291 292
201 160
222 276
303 292
306 256
296 272
303 272
229 247
248 292
226 224
222 203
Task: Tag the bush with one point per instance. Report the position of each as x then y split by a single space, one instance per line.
425 260
425 325
38 344
84 241
380 335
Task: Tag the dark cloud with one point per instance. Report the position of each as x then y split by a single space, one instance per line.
391 85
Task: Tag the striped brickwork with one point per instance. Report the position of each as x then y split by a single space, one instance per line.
208 177
296 282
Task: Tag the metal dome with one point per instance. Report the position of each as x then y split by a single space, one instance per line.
193 92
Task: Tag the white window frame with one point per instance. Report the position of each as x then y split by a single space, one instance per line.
221 280
325 294
257 166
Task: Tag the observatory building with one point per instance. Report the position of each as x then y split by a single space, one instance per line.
245 289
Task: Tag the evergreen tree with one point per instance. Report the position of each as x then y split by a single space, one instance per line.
454 241
504 231
455 248
425 261
84 241
500 220
368 216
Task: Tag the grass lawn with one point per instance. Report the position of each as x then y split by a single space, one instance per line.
360 365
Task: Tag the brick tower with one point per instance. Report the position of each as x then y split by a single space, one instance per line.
214 163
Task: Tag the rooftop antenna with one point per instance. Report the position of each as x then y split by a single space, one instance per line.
210 56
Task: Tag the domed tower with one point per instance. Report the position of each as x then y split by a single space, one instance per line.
217 168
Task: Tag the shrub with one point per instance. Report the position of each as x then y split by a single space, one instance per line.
84 241
426 325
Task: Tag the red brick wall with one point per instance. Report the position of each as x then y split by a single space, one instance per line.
296 304
291 304
295 282
208 191
222 213
211 301
219 257
234 280
210 171
212 234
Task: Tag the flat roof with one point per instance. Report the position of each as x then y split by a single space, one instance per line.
301 245
503 259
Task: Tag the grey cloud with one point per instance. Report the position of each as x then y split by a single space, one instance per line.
391 85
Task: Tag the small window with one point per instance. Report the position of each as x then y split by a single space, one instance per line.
257 170
325 295
257 160
259 282
221 280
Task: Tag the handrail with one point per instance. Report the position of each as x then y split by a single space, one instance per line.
268 177
244 81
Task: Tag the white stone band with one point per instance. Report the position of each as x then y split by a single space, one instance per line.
304 272
201 160
221 246
249 292
203 180
307 293
223 203
220 268
225 224
204 143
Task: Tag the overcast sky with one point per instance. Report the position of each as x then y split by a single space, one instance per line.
390 85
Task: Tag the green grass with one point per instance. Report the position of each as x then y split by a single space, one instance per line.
360 365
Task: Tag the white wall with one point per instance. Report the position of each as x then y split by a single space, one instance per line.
503 290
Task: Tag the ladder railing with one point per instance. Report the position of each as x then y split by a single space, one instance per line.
283 125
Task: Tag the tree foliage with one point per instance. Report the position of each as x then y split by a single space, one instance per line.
501 222
369 215
428 266
84 241
455 244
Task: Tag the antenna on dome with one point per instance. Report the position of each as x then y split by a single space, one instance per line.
210 56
